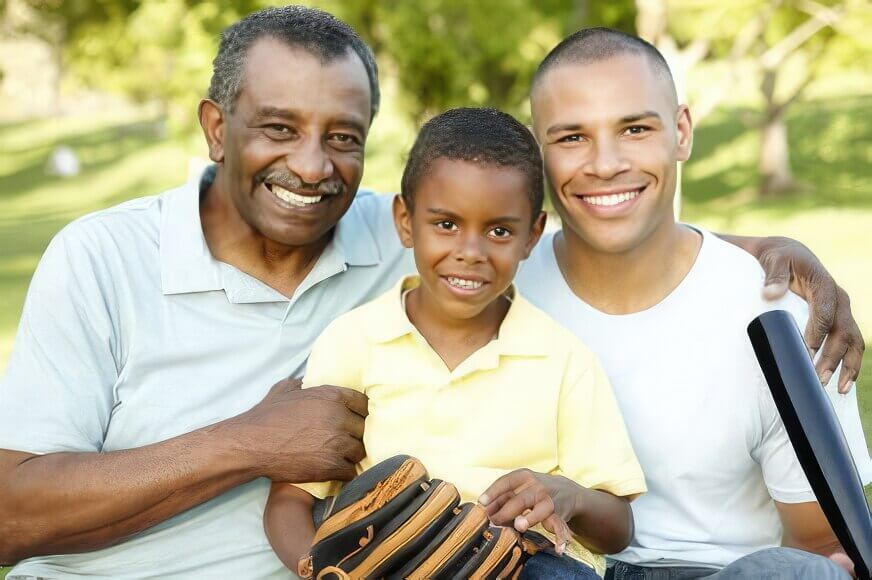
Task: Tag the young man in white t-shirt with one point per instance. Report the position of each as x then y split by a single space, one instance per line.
666 306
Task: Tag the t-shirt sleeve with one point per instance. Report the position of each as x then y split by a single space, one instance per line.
782 472
337 358
594 448
57 394
846 405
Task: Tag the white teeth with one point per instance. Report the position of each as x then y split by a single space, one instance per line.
294 199
465 284
613 199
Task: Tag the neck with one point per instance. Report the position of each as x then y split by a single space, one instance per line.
233 241
630 281
454 339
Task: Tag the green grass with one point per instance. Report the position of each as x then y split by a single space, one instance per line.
124 158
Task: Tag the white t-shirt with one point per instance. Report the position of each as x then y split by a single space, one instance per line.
699 414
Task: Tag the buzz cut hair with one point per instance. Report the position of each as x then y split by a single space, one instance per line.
590 45
315 31
483 136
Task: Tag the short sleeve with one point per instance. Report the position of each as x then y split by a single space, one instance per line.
337 358
57 394
845 406
782 472
594 448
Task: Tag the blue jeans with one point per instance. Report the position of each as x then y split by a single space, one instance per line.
769 564
547 567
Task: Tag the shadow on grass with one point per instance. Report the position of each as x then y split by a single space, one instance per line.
829 154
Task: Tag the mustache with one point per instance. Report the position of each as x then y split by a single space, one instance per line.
292 181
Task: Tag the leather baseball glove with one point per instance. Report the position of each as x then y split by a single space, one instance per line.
393 522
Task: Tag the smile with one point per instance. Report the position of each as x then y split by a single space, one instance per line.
463 283
294 199
612 199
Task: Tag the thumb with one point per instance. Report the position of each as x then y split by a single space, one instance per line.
776 284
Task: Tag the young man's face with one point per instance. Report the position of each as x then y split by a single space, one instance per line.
470 228
611 134
292 149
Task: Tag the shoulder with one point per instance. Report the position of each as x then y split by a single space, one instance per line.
550 337
737 277
353 326
135 221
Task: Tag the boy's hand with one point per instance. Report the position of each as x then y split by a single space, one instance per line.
525 498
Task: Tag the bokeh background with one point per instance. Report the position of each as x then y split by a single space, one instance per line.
98 102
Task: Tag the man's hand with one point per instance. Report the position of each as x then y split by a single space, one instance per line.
842 560
301 436
789 264
525 498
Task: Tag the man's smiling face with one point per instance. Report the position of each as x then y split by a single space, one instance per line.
292 148
611 134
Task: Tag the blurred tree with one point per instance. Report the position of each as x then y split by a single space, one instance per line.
449 53
785 44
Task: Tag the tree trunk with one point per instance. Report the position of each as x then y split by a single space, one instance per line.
776 177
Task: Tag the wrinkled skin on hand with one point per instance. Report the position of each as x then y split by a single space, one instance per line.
790 265
301 436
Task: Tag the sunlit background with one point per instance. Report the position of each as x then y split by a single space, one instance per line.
98 100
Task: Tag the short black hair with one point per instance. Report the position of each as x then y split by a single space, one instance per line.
481 136
590 45
315 31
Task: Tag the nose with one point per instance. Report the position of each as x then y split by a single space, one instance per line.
310 161
470 248
606 160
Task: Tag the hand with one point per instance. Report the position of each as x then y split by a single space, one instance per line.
301 436
525 498
788 263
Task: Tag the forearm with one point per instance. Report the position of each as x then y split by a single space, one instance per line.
750 244
76 502
602 521
288 523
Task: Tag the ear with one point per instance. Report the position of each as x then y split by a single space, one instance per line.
536 231
684 127
403 221
212 122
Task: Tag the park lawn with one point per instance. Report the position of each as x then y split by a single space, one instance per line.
124 158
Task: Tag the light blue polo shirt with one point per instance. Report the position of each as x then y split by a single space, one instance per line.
132 333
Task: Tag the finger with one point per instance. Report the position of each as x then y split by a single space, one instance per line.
832 352
356 401
851 367
823 305
561 531
777 279
509 482
516 506
352 423
354 450
496 504
542 509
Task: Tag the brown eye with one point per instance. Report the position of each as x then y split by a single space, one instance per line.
501 232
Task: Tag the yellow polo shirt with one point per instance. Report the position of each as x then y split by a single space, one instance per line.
533 397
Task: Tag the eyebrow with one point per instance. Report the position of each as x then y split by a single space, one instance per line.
452 215
267 112
561 127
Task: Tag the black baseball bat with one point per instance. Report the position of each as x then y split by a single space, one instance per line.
815 432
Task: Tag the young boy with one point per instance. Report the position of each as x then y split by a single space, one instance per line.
461 372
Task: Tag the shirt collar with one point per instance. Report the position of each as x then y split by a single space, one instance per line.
514 339
188 266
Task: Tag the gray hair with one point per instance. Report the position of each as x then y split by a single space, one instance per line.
313 30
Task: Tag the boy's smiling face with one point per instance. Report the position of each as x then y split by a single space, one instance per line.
470 228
